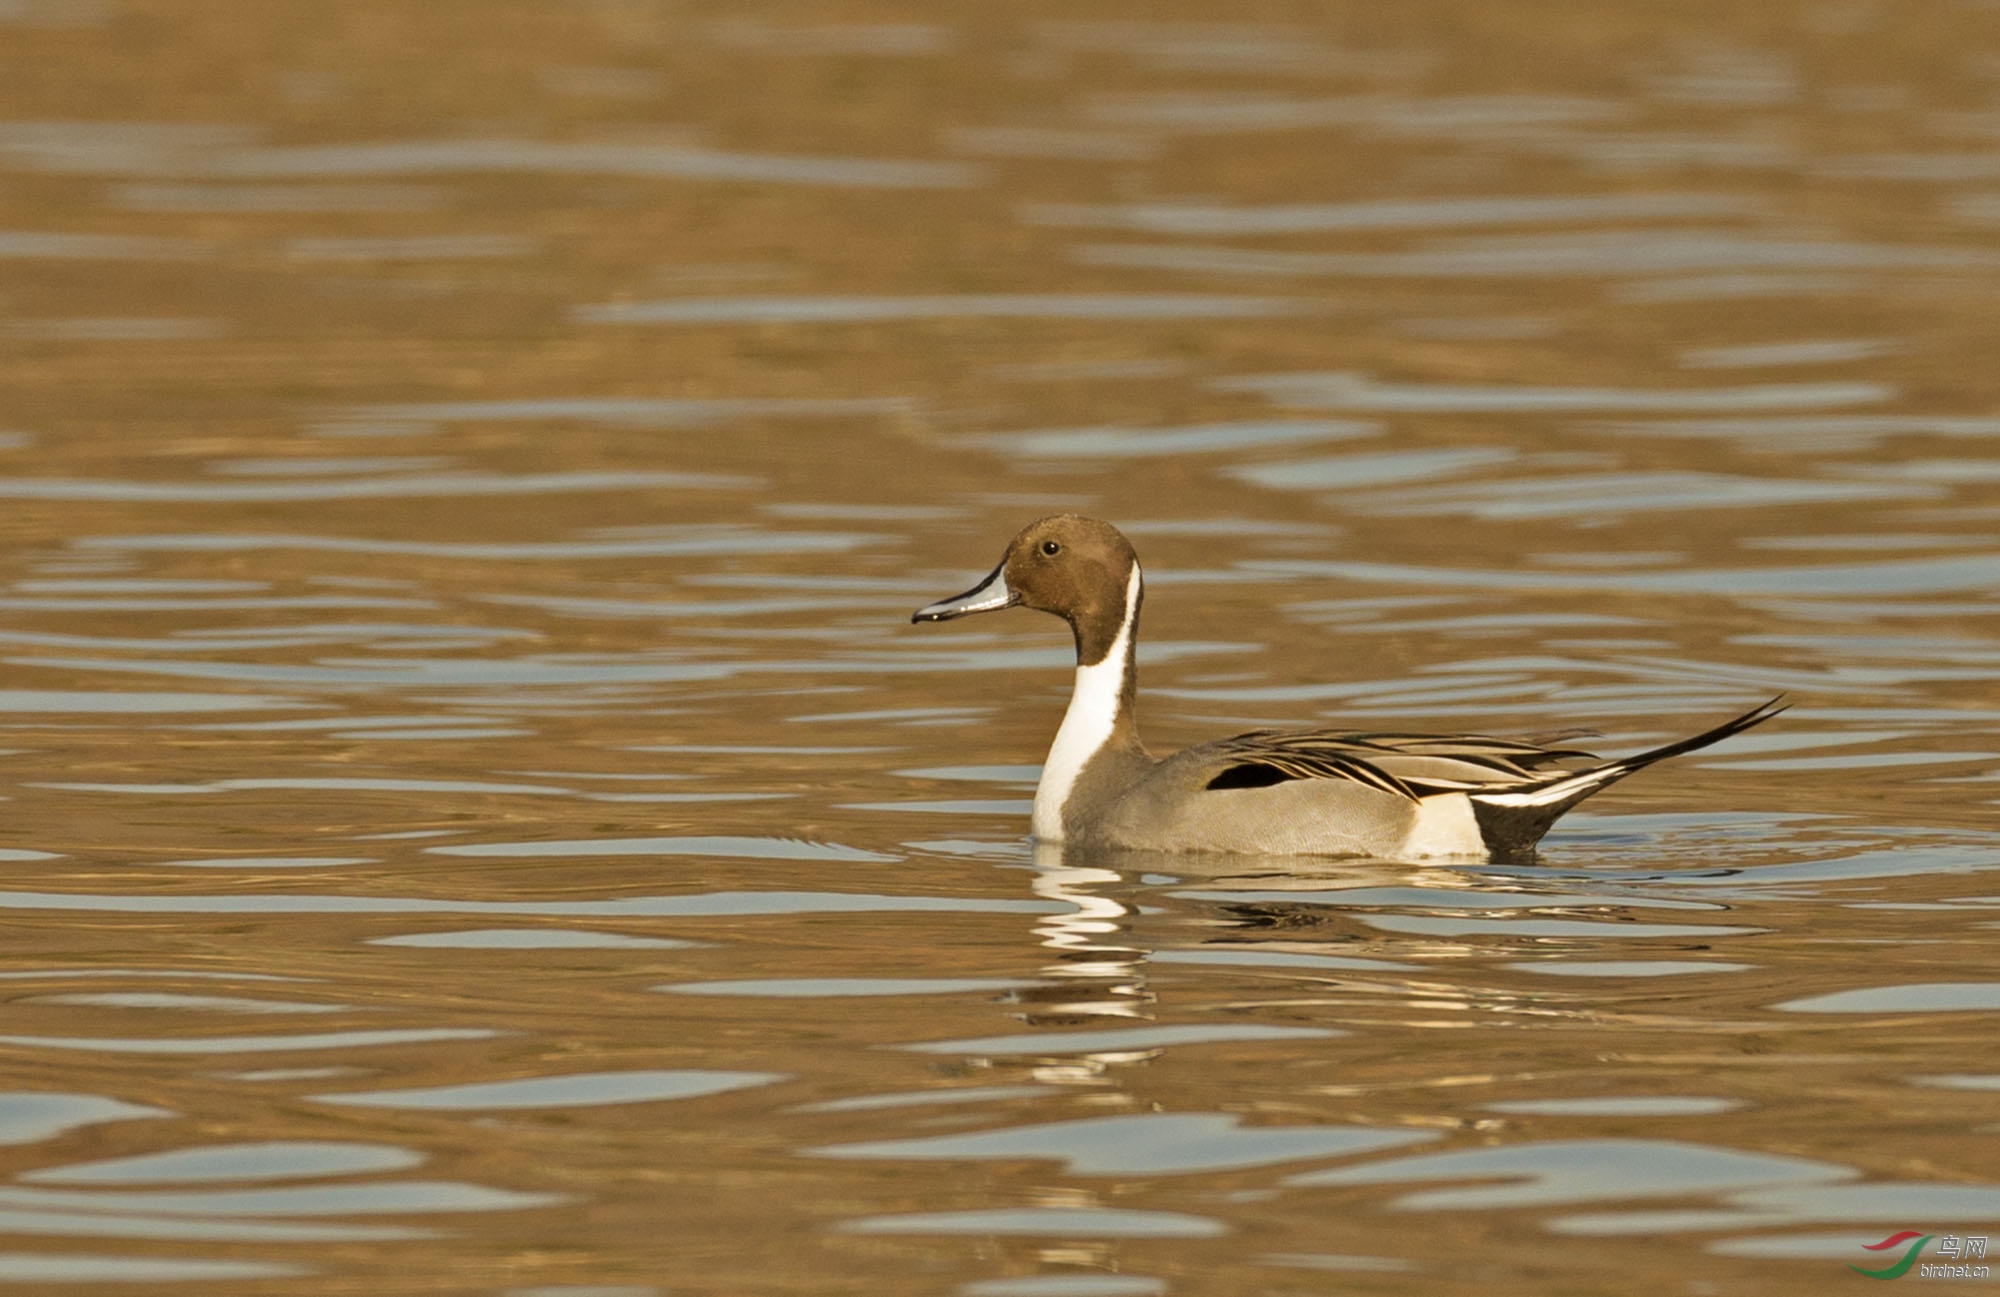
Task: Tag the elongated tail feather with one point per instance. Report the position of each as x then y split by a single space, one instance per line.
1514 820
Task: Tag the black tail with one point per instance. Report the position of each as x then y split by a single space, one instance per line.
1515 820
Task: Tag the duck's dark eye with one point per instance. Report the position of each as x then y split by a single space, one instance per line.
1051 548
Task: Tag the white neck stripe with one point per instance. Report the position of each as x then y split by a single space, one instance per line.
1087 725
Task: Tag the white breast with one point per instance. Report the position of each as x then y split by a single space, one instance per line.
1087 725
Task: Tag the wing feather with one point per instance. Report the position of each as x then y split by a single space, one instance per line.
1406 765
1517 788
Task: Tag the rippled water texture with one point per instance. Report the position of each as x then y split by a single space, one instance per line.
478 819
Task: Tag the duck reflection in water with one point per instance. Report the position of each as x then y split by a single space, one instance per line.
1135 907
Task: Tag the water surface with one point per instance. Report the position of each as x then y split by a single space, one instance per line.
478 818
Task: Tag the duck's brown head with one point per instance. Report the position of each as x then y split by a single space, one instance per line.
1078 568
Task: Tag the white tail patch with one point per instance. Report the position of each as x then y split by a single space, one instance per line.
1444 826
1087 725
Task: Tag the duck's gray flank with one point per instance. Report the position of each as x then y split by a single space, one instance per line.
1276 791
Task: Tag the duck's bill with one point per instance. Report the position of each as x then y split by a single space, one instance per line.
988 595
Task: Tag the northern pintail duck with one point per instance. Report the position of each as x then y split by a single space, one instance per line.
1284 792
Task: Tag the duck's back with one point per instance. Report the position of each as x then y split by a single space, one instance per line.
1323 792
